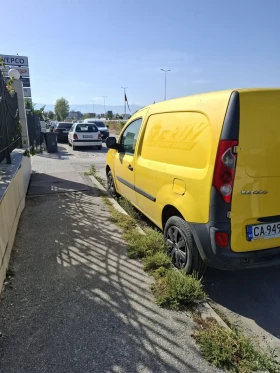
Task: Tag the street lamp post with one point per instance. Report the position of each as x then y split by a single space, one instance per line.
124 88
104 105
165 71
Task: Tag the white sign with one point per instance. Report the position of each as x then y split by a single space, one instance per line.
24 71
27 92
14 60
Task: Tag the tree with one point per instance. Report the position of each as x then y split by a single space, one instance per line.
51 115
87 115
61 108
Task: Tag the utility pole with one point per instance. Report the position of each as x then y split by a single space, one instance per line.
165 71
104 105
124 93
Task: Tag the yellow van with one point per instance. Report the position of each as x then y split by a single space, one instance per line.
205 169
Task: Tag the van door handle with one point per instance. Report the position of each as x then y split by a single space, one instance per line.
130 168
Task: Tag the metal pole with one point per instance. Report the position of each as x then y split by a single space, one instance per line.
165 71
124 88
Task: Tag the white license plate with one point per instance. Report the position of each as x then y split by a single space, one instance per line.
87 137
263 231
65 131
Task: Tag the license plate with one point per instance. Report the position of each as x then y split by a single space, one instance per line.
87 137
65 131
263 231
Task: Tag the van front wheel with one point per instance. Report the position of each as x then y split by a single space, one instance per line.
182 247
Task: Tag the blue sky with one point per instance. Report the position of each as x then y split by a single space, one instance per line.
92 48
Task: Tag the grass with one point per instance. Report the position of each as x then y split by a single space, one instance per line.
172 289
156 261
144 245
178 291
93 172
129 208
231 349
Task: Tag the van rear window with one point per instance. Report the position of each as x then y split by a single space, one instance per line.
180 139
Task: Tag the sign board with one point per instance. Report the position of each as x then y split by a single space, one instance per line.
27 92
24 71
25 82
14 60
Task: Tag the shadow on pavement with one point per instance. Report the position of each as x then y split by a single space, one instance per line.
252 293
78 304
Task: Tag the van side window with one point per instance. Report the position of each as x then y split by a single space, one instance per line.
129 137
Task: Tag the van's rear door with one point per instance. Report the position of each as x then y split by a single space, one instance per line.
255 208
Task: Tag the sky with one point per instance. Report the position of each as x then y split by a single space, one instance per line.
85 49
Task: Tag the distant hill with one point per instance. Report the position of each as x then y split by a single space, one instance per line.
98 109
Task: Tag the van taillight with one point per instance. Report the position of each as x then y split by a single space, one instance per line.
225 168
75 136
99 136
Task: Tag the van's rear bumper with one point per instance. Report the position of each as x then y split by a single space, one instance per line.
225 258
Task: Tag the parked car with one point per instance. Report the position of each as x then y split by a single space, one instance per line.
205 170
100 125
62 130
84 134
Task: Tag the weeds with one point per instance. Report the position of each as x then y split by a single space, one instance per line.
156 261
93 172
231 350
178 291
142 245
127 206
123 221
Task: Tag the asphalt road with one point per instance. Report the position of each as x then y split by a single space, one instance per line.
249 299
75 303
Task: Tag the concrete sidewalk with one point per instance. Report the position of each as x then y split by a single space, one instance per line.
77 303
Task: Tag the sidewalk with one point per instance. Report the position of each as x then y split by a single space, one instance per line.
76 302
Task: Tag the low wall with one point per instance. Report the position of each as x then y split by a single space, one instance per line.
14 180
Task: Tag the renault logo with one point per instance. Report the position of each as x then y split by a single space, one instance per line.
254 192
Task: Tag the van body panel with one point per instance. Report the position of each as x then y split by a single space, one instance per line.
257 168
174 162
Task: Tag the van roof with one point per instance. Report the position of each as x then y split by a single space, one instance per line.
197 99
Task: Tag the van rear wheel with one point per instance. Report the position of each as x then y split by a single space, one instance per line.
182 247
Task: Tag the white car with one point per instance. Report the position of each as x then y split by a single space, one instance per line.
84 134
100 125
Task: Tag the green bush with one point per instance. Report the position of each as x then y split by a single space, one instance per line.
129 208
231 350
156 261
177 291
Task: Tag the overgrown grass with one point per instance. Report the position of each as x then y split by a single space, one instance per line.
177 291
93 172
143 245
156 261
123 221
172 289
231 349
129 208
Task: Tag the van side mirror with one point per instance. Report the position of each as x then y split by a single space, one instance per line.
111 143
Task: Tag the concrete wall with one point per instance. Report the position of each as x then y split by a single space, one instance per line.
14 180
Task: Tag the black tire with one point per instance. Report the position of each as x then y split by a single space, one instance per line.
74 147
99 147
111 185
182 247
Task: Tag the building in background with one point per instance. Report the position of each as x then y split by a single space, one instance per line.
74 115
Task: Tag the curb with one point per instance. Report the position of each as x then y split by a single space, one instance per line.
204 308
